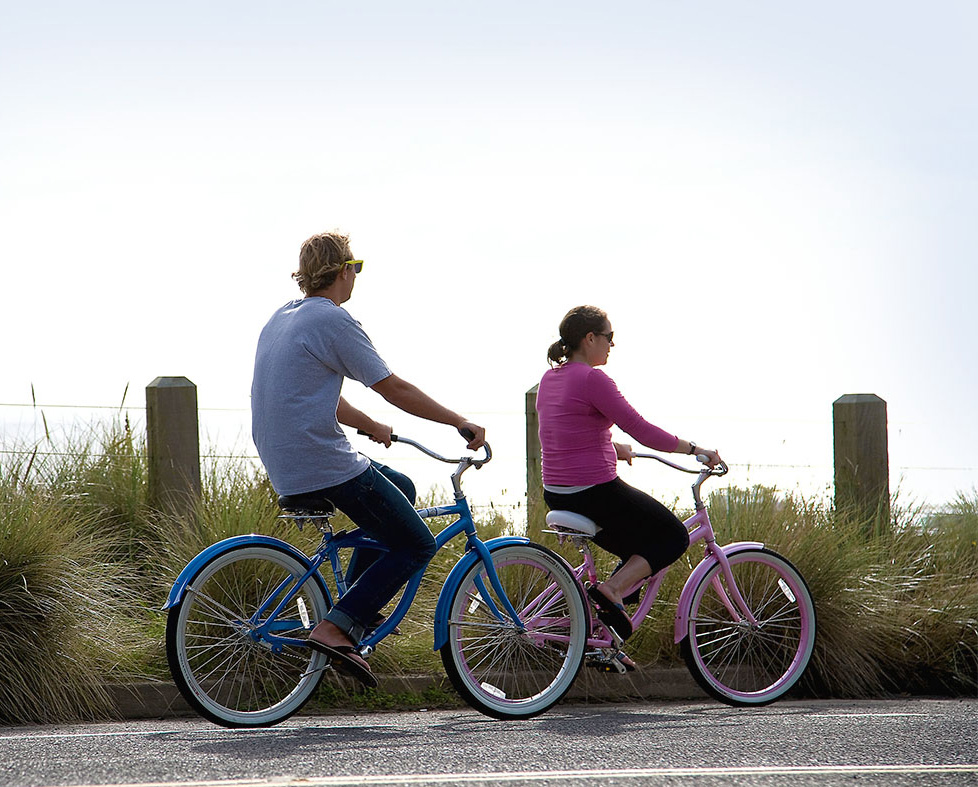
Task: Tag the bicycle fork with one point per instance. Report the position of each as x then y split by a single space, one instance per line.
736 606
497 586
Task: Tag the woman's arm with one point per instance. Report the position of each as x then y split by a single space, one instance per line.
605 396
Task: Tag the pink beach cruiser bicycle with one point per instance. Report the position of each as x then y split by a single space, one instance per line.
745 620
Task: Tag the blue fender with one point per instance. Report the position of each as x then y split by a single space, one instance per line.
682 607
235 542
448 590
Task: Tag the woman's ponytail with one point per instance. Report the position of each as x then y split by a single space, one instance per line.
557 354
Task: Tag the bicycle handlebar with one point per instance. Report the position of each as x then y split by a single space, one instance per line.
719 470
476 463
701 474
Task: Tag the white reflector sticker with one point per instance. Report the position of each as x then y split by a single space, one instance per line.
786 590
303 612
493 690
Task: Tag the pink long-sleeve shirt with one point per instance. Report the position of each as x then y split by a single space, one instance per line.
577 405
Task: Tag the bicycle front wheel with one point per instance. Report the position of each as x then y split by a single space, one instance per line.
499 668
740 663
225 670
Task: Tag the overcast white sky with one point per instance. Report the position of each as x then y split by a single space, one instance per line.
775 202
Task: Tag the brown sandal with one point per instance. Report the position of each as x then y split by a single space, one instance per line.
346 659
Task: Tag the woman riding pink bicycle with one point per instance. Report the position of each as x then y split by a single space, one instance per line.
577 405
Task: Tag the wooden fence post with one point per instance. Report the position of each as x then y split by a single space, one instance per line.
173 445
534 474
862 469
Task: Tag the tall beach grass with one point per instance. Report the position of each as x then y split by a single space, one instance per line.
85 565
67 600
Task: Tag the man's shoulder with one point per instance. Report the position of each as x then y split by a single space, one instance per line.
319 311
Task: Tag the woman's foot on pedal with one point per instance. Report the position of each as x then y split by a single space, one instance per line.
611 612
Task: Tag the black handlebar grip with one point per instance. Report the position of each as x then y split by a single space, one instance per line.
367 434
468 434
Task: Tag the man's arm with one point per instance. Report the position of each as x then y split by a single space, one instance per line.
348 415
413 400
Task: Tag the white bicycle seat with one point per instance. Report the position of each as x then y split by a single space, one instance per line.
568 520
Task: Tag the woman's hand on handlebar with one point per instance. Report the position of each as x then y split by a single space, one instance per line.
712 457
475 434
624 452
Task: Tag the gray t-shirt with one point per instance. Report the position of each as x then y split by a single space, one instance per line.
304 352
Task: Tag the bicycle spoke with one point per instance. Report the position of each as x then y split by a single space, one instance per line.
741 662
511 672
237 679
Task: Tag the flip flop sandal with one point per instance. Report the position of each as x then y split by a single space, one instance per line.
610 613
341 657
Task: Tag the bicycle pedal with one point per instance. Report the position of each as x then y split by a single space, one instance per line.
601 665
604 664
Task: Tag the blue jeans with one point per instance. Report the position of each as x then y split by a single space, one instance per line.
363 558
376 502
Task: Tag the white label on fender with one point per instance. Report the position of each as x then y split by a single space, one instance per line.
303 612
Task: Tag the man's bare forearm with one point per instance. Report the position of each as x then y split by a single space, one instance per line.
348 415
413 400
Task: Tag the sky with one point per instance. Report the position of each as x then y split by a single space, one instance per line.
774 202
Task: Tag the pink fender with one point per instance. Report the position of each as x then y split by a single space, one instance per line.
708 562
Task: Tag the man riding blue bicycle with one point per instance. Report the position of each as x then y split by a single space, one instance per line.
304 353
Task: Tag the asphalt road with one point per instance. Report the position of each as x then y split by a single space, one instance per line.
918 742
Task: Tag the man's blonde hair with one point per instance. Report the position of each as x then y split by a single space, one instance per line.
320 260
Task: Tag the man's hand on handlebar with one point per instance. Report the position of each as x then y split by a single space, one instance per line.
379 433
475 434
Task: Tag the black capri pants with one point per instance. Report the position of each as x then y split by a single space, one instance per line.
631 522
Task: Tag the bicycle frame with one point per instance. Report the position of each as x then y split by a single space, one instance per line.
265 621
700 529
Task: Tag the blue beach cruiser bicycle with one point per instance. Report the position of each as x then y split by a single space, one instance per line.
511 622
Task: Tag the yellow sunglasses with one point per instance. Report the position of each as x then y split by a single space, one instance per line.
357 265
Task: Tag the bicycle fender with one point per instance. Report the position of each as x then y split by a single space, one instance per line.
686 597
191 569
455 579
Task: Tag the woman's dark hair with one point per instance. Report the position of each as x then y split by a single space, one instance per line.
577 323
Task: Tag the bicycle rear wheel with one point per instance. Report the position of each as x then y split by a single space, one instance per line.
502 670
223 668
743 664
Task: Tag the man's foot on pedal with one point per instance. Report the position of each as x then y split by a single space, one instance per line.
332 642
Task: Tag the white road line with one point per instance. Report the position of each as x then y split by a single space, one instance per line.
865 715
600 775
